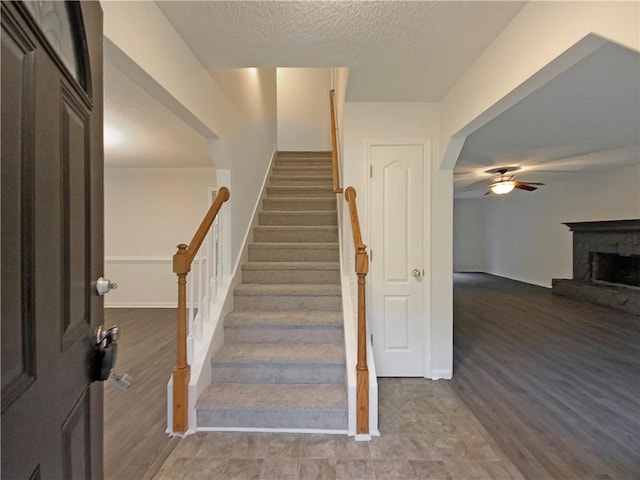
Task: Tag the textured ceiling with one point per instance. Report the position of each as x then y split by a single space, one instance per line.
583 121
148 133
396 50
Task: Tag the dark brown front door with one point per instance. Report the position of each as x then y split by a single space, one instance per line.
51 234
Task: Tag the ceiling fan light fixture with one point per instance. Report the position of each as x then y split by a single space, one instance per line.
502 187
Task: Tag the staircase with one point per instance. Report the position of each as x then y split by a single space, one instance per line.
282 365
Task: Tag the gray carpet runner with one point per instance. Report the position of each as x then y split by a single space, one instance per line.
282 365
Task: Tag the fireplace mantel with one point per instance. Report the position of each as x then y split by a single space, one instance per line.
609 226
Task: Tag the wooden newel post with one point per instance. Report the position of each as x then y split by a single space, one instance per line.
362 268
362 371
181 372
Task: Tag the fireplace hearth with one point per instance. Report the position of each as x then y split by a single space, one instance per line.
606 264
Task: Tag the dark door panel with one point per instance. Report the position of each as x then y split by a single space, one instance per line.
52 247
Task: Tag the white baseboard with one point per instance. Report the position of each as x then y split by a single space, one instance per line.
139 305
446 374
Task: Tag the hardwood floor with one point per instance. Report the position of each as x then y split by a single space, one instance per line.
135 442
555 381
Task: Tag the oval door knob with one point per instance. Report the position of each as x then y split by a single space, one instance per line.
104 286
415 272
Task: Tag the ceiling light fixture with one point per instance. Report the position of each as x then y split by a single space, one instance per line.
502 186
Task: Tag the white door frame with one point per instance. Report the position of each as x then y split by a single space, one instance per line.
425 143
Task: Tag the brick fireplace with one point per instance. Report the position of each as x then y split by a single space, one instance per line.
606 264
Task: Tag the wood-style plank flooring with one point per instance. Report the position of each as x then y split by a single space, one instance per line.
555 381
135 442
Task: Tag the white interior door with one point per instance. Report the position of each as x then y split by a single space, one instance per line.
396 270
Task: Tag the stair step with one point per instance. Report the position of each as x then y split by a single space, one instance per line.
291 272
279 363
294 252
283 327
278 217
255 296
308 170
284 319
302 406
324 163
295 233
297 204
298 191
300 180
304 154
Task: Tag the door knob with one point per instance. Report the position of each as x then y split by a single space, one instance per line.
104 286
415 272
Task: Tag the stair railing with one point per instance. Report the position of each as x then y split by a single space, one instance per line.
182 262
334 143
362 268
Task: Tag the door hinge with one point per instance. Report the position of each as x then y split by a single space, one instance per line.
371 171
371 255
372 339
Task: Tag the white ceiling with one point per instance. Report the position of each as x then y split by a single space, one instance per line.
583 121
396 50
586 119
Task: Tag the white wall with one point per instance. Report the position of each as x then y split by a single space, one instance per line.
235 109
469 235
304 123
524 236
248 142
363 121
148 212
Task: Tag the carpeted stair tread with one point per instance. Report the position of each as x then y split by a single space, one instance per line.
299 217
299 204
302 169
303 162
297 228
274 406
280 396
295 233
291 266
303 153
307 191
291 272
277 353
284 319
285 289
296 245
324 176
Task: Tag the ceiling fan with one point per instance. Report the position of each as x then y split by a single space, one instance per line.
502 183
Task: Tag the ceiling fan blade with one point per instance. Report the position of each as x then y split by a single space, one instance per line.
487 193
524 186
531 183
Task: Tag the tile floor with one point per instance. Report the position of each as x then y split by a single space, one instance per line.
426 433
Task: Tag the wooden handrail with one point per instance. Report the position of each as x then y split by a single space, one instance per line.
334 143
362 268
182 266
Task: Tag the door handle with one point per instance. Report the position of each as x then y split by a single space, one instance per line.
105 352
104 286
416 272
